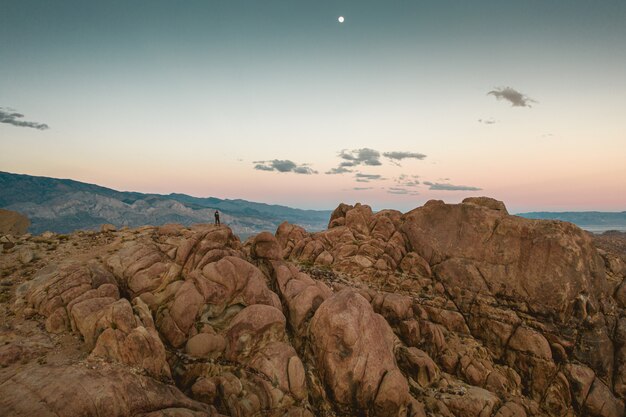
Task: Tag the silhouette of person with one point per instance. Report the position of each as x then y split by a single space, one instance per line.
217 217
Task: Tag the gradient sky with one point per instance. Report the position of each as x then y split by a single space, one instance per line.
187 96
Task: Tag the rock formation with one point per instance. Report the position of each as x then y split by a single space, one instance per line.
447 310
13 223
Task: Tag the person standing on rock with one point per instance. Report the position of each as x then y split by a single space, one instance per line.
217 218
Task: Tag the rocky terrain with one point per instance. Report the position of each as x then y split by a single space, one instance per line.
13 223
447 310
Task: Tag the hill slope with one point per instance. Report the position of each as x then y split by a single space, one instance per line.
63 205
590 220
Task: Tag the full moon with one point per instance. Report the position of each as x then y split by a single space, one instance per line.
340 19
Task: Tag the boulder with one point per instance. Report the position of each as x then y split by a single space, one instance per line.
13 223
354 352
546 264
92 390
107 228
265 246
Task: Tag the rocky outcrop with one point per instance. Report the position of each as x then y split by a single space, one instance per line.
545 264
531 294
93 390
447 310
13 223
354 349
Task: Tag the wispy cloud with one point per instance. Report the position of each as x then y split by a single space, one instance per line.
449 187
401 191
489 121
369 157
403 155
11 117
283 165
513 96
407 180
360 177
362 188
339 170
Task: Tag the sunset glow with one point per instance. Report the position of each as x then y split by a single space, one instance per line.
172 98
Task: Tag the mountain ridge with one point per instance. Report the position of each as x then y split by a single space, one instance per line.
581 218
65 205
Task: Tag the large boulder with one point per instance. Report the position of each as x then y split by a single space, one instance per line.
301 294
354 352
546 264
92 390
212 293
13 223
265 246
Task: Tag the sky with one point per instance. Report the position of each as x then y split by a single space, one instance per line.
279 102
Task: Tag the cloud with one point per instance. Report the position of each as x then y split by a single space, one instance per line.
362 188
340 170
489 121
407 180
356 157
283 165
449 187
261 167
363 156
403 155
401 191
513 96
9 116
367 177
370 157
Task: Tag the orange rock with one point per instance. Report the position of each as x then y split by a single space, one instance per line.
353 349
265 246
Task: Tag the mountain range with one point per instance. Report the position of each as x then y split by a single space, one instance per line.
64 205
595 221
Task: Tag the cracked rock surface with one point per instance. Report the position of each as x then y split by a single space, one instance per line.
447 310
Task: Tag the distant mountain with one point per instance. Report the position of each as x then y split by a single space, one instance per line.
591 220
63 205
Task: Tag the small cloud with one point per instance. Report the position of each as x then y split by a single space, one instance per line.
363 156
11 117
401 191
513 96
283 165
304 170
487 121
356 157
407 180
362 188
262 167
404 155
367 177
340 170
449 187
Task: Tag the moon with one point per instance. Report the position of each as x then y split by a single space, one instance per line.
340 19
